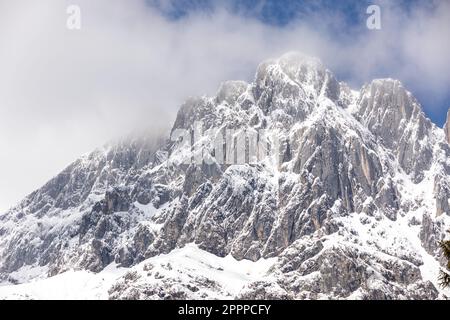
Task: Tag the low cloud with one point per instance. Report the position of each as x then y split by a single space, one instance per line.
63 92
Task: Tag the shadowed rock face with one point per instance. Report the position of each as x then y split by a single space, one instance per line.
355 170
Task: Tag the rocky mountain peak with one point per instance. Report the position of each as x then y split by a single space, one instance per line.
292 85
339 200
396 118
297 69
301 68
387 98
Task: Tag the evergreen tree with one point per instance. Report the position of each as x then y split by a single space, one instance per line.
444 275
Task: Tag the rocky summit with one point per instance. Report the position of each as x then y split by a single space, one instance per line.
351 205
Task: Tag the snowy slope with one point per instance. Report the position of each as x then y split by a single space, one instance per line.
227 275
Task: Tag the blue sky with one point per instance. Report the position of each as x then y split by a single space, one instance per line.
348 20
276 12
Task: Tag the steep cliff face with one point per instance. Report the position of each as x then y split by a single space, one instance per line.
394 116
347 193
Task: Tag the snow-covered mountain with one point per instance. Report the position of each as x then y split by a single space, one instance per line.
350 205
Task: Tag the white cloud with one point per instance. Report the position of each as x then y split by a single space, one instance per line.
63 93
